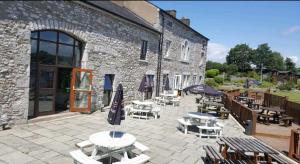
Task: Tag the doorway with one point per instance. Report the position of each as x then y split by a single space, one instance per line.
53 56
108 88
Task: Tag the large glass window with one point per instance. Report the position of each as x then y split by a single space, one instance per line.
55 48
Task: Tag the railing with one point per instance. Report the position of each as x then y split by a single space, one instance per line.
240 112
232 93
291 108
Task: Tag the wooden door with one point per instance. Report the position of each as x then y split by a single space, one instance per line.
81 90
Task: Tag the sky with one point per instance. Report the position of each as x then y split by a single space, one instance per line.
227 23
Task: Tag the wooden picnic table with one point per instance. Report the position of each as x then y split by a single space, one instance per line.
212 103
278 112
243 145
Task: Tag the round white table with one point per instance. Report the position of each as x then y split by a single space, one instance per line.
107 140
204 116
144 103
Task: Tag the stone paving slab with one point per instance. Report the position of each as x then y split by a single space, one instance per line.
51 141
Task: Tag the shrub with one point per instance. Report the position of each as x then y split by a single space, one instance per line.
211 82
286 86
212 73
253 74
218 80
266 84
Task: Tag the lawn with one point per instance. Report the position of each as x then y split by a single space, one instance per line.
292 95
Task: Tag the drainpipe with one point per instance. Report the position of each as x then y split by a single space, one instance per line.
160 52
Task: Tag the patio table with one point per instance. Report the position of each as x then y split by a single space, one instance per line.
142 103
243 145
108 142
201 116
278 111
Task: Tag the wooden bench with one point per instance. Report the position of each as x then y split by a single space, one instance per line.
136 160
287 120
80 158
183 125
226 161
278 158
212 155
266 118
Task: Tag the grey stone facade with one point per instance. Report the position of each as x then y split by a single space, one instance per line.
172 61
111 46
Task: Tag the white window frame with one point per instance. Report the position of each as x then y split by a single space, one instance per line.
186 80
185 50
177 82
168 47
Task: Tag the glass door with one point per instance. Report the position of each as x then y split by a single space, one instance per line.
81 90
46 91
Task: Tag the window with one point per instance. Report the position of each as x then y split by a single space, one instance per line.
186 80
185 51
168 45
194 79
169 23
55 48
144 50
164 79
177 82
200 78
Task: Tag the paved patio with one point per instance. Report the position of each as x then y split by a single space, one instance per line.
51 141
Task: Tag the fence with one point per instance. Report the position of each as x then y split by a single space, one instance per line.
291 108
240 112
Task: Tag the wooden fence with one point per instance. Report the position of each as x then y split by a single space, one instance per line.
240 112
291 108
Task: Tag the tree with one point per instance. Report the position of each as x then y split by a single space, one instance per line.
290 65
240 56
276 61
230 69
261 56
213 65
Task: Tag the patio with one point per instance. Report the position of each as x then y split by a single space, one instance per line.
51 141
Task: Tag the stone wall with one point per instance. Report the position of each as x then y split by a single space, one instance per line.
173 64
111 46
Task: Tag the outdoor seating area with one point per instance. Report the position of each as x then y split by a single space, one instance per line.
206 124
265 114
243 150
115 146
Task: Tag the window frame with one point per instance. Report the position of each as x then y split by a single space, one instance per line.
168 47
144 48
179 85
57 44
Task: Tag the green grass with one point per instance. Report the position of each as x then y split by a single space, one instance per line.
292 95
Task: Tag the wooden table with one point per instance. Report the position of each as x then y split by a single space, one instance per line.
243 145
278 111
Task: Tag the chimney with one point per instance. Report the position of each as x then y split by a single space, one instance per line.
172 12
186 21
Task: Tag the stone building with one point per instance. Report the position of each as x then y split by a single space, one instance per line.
42 42
183 50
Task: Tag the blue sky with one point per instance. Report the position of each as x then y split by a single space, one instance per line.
229 23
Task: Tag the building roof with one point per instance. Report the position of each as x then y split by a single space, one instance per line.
179 21
121 12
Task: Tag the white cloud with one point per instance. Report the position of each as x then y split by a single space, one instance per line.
217 52
291 30
295 59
